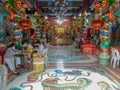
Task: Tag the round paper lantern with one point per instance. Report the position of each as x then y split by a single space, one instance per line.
97 24
25 24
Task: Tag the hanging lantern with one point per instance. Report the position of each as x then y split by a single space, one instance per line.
25 24
97 24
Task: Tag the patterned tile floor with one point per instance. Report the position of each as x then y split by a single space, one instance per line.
88 77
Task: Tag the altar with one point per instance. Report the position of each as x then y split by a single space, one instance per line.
60 41
60 36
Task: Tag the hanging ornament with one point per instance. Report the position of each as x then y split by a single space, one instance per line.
97 24
25 24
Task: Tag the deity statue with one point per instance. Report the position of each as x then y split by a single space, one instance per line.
61 36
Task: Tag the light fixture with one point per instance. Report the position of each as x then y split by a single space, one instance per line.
60 21
60 9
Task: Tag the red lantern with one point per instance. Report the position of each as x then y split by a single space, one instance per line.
25 24
97 24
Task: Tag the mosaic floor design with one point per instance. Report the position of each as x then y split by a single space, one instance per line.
22 71
68 79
